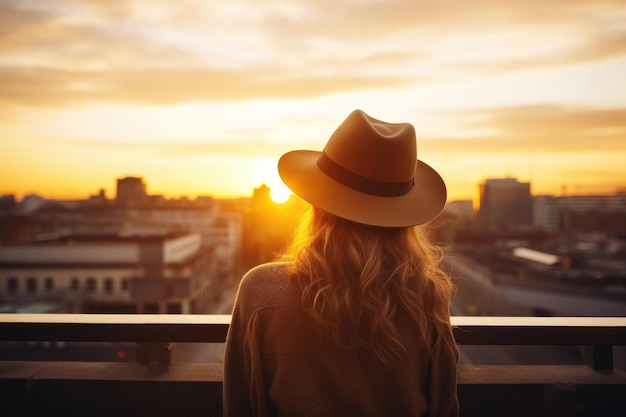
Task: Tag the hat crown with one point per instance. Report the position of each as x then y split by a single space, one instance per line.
374 149
368 173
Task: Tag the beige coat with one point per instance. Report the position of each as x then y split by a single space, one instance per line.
276 365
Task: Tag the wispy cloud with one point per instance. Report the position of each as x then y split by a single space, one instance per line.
525 130
211 148
158 86
537 130
75 51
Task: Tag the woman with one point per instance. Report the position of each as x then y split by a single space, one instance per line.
354 320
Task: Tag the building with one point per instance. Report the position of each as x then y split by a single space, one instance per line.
17 228
463 210
594 213
219 231
546 212
131 192
82 255
505 205
605 203
268 226
98 274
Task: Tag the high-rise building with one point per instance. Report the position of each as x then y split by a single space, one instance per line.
505 205
131 192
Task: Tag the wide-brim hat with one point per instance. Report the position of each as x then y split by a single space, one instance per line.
368 173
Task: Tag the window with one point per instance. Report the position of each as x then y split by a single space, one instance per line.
91 284
108 285
31 285
12 285
75 285
49 284
124 284
174 308
151 308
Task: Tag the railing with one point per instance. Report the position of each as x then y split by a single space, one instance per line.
31 388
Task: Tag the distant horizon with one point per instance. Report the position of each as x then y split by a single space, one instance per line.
110 194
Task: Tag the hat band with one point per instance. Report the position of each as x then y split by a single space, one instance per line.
360 183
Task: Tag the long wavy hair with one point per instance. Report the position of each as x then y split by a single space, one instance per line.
356 279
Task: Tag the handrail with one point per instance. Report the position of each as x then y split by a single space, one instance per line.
141 328
78 388
499 330
209 328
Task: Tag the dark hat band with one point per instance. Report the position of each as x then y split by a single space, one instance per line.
360 183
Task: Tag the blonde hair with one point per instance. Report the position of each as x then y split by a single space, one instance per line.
356 278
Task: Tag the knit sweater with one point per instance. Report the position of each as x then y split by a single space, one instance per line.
276 364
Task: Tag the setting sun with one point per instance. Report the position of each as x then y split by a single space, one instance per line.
279 193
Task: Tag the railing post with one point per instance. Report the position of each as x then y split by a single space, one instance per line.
599 358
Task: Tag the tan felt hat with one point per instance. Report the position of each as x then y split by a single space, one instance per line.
368 173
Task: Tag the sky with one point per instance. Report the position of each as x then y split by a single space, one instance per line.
202 97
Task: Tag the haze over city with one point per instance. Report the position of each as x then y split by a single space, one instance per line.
201 98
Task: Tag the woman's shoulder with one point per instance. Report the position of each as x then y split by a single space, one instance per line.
266 285
268 272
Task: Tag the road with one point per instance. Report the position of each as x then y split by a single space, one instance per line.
477 294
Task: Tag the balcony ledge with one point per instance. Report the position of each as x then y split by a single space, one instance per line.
213 372
34 388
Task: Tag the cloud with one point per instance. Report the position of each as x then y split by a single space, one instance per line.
17 16
57 39
525 130
176 150
43 86
71 52
602 47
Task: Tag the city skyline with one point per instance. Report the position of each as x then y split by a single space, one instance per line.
278 194
203 98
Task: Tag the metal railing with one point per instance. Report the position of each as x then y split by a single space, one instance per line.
597 334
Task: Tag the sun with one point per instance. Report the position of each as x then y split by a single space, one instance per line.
279 193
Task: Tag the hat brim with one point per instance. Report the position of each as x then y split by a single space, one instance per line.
299 171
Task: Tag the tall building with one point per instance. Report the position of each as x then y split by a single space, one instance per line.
131 192
505 205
